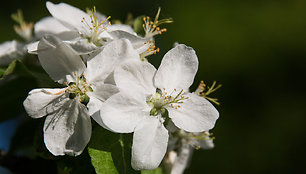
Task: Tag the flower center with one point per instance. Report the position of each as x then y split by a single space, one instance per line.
151 27
161 100
96 27
79 89
194 138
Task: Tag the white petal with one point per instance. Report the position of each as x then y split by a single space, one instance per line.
137 42
68 35
177 69
69 16
68 130
94 105
65 36
9 51
59 60
82 46
48 25
32 47
183 158
100 93
8 47
196 114
113 54
135 77
121 27
122 112
41 102
149 144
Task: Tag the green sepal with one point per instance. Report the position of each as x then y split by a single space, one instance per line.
165 115
84 99
16 67
153 112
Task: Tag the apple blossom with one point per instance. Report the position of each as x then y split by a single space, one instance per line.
67 128
149 98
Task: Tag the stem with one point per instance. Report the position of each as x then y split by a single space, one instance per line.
122 151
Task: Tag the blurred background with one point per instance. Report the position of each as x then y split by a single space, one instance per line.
255 48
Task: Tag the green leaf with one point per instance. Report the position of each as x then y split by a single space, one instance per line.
18 68
110 152
155 171
2 72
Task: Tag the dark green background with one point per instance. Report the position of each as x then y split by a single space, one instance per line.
255 48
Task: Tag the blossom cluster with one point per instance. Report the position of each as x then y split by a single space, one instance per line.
105 75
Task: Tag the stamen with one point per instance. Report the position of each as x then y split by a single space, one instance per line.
203 92
95 26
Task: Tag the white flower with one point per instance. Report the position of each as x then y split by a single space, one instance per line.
48 25
67 128
148 98
181 147
92 28
87 32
